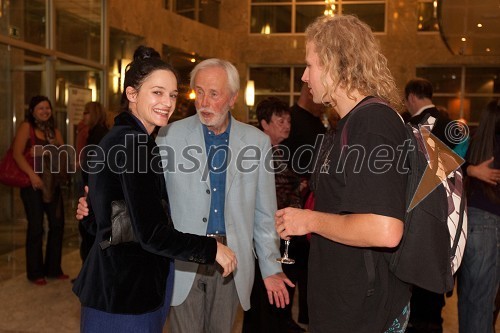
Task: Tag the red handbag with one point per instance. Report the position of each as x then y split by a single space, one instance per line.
10 173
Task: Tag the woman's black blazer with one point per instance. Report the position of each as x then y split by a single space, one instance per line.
131 277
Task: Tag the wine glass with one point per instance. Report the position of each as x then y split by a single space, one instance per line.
285 259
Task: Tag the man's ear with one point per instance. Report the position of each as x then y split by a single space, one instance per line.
131 94
232 101
412 97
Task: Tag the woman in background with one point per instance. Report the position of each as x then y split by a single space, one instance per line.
94 118
478 276
44 195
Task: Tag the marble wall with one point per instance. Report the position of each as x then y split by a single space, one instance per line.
403 46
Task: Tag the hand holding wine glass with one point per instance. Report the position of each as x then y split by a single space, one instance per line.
281 229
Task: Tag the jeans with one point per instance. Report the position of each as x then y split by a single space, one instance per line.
479 273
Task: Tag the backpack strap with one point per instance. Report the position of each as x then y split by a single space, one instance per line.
368 254
366 101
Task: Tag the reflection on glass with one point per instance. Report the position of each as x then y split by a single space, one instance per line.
444 79
271 79
277 18
371 14
427 16
24 20
80 23
483 80
304 15
203 11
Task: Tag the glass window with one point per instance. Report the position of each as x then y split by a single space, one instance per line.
293 16
444 80
24 20
80 23
271 19
371 14
282 82
481 85
272 1
121 50
270 79
186 8
427 16
297 76
203 11
483 80
305 15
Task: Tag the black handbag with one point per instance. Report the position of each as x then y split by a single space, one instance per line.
121 225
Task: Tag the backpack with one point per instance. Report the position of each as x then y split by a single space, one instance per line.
435 223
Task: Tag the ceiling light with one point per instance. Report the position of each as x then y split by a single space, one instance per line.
464 39
488 49
479 25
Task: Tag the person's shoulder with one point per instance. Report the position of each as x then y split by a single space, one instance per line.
377 113
183 124
246 130
379 119
179 128
24 127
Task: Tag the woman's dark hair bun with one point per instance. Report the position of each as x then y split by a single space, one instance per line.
144 52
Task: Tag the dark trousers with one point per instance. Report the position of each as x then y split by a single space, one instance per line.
297 273
266 318
35 208
425 311
262 316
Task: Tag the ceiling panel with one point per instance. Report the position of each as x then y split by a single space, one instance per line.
459 19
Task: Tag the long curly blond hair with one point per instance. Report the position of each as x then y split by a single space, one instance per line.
350 56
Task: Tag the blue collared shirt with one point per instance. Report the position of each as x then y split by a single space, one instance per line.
217 151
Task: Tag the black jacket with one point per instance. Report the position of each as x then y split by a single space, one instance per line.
439 129
131 277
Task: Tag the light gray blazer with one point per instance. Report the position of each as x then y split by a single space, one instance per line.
250 199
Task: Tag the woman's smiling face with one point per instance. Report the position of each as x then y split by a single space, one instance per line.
154 102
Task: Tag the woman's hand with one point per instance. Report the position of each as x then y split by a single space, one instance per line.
225 257
484 172
36 181
83 207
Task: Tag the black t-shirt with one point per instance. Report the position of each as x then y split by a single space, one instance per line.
338 278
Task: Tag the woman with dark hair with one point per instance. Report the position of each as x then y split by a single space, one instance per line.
126 286
478 276
44 195
94 117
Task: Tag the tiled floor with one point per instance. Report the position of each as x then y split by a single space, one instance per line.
25 307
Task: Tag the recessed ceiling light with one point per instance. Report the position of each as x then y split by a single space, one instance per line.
464 39
479 25
488 49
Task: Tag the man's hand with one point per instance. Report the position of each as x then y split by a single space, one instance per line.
293 222
276 289
83 207
224 257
